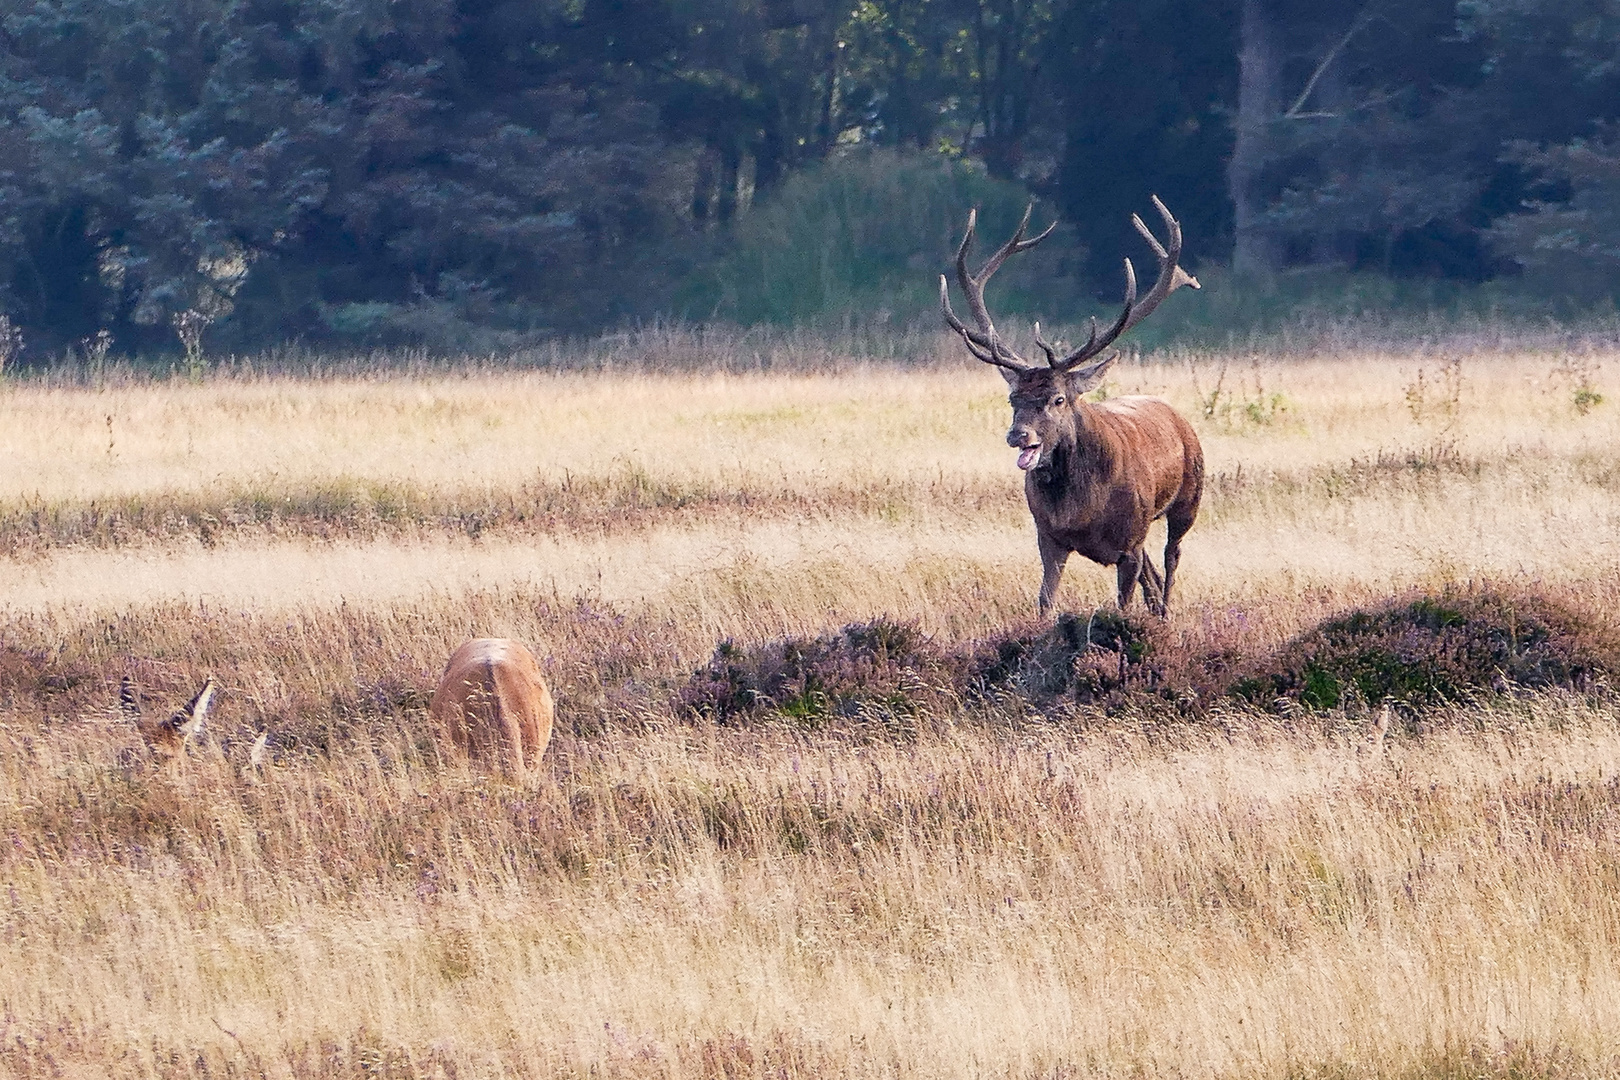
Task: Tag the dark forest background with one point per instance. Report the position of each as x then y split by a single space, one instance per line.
477 174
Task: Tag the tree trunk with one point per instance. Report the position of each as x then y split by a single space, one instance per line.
1329 92
703 187
725 205
1254 250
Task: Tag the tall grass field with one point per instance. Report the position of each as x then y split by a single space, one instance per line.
825 798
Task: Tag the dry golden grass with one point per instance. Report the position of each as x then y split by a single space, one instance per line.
989 895
688 903
1325 473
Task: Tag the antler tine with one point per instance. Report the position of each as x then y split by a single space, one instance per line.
1093 345
972 285
1013 246
1091 336
983 342
1171 275
1051 353
984 348
1172 229
1147 234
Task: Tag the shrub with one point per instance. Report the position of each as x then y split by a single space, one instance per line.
1103 658
878 670
1429 650
866 232
892 672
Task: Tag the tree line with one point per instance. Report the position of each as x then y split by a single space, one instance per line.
393 170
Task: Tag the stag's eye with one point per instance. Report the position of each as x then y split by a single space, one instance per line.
1057 401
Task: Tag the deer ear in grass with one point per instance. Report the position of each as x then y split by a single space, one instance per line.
186 724
257 752
129 699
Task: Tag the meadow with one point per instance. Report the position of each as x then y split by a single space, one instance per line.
980 886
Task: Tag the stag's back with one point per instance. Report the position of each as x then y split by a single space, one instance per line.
495 705
1158 443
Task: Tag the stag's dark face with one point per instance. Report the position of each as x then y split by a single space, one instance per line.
1043 415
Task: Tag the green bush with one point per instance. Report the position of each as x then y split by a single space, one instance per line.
1435 649
866 233
880 670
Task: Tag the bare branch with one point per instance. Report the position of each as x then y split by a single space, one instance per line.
1293 111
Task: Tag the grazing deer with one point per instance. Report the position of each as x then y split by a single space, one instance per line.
168 738
495 705
1095 475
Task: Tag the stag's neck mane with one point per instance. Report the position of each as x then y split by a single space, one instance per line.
1093 436
1052 476
1080 457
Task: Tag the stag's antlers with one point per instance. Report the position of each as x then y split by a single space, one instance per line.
983 341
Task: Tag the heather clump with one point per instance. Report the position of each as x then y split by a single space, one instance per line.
883 670
1421 652
1104 658
1436 649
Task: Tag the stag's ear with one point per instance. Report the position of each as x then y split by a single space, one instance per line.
1010 375
1088 378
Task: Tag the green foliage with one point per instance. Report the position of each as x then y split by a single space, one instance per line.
261 164
882 670
1572 245
473 177
864 232
1436 649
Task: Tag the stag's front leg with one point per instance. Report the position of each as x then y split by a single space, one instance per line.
1053 556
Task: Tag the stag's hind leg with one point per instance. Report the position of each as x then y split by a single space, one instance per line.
1177 519
1153 586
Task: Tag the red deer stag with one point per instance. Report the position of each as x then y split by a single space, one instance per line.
494 704
1095 475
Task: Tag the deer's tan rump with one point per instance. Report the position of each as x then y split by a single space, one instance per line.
494 705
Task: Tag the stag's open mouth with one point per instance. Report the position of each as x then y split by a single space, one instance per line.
1028 456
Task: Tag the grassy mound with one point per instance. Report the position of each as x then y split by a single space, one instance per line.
878 670
1419 651
1433 649
1097 659
887 670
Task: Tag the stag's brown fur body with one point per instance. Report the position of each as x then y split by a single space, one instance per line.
1108 471
494 704
1096 475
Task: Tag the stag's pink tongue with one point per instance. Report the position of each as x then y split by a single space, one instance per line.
1027 456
